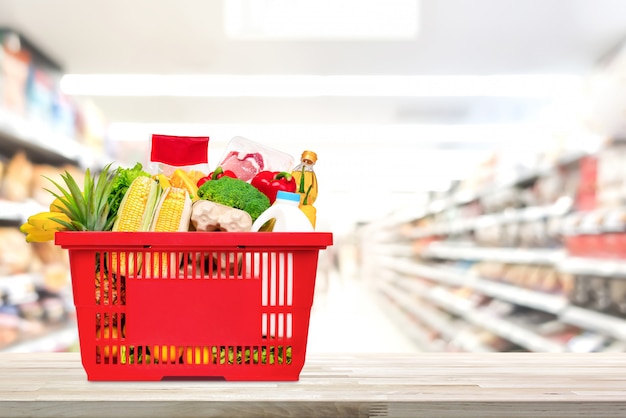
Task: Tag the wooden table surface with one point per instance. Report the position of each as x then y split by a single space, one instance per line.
376 385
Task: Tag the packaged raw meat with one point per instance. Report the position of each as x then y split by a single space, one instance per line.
247 158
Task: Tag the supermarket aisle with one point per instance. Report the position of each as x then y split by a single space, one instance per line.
346 318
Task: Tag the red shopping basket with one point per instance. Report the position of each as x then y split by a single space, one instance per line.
193 305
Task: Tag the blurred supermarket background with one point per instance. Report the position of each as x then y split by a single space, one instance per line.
471 154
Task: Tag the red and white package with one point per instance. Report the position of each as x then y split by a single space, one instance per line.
186 152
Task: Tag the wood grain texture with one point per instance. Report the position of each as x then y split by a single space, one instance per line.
422 385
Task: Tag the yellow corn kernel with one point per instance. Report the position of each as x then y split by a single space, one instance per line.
172 215
134 214
169 214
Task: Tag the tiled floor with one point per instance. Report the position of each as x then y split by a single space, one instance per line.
346 318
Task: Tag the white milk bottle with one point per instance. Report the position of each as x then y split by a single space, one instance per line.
289 218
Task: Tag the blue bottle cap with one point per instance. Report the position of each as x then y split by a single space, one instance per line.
294 197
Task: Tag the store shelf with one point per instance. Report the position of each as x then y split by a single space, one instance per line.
433 318
503 255
57 338
597 321
470 313
499 326
455 277
554 304
510 216
18 212
398 250
465 197
18 289
410 327
42 145
612 268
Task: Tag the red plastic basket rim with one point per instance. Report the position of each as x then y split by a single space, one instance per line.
181 240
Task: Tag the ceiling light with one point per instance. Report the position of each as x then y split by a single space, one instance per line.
319 86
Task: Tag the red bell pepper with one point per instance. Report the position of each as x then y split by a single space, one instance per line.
217 174
270 182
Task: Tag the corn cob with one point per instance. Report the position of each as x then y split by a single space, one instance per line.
134 214
172 214
137 207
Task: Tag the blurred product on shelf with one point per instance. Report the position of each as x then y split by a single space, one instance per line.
25 181
16 185
14 65
15 257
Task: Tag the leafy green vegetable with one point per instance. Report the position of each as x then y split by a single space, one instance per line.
235 193
122 178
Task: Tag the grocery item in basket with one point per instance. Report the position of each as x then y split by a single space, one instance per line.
305 176
183 180
309 210
289 218
87 209
270 182
211 216
235 193
187 152
137 207
146 207
173 211
218 173
306 180
122 179
247 158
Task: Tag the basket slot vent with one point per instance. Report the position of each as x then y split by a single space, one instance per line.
277 325
277 279
109 288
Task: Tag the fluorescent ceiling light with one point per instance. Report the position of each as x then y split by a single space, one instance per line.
321 19
319 86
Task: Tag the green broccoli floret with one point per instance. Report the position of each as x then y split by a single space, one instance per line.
235 193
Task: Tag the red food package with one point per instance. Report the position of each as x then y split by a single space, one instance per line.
188 152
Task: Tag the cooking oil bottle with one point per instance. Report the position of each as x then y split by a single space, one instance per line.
305 177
